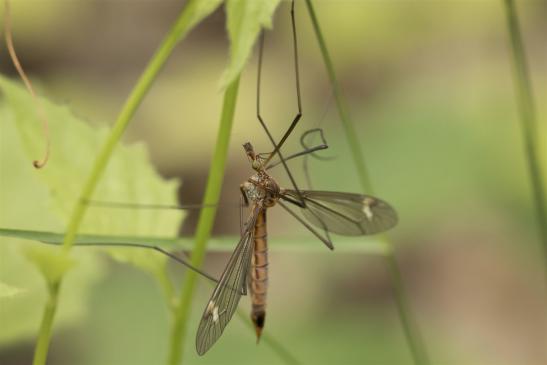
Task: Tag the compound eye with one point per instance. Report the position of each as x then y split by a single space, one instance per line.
256 165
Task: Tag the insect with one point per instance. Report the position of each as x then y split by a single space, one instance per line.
247 270
332 212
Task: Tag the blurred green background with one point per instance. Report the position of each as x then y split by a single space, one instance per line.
429 85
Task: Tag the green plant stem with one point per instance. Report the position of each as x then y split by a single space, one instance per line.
205 223
44 336
182 25
410 327
349 129
412 333
528 119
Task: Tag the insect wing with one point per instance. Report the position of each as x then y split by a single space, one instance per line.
225 297
346 213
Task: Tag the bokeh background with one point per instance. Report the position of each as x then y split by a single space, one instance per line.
429 86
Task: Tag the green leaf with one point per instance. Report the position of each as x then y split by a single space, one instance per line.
195 12
129 177
245 20
42 199
8 291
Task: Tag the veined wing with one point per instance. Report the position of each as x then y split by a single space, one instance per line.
231 286
346 213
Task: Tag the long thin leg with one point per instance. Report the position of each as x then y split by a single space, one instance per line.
325 240
307 150
294 201
298 154
99 203
241 217
297 76
155 248
298 116
243 195
244 202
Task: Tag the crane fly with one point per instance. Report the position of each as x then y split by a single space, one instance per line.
247 269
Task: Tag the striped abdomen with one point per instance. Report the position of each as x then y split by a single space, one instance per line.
259 273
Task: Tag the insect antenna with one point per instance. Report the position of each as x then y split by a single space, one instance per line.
307 150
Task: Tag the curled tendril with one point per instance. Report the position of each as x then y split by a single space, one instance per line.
314 149
305 161
41 112
307 149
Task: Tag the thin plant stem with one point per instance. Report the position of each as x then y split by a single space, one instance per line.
182 25
410 326
44 335
411 330
349 129
205 224
528 119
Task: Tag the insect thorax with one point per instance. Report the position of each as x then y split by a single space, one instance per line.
261 187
